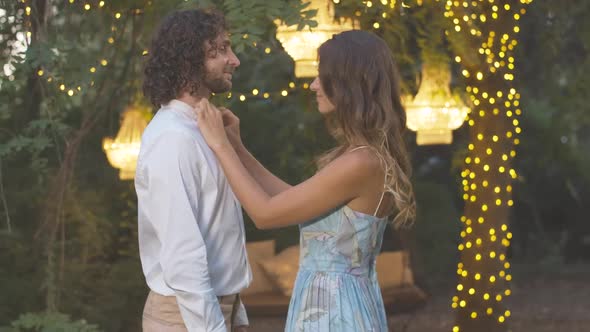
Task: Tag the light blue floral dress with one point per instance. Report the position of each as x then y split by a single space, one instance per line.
336 289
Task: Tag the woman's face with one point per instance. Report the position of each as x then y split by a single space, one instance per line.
324 104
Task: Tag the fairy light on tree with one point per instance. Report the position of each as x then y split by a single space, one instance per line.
490 28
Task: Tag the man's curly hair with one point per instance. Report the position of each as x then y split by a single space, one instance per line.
176 60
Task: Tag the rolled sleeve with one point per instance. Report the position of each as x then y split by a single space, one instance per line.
174 187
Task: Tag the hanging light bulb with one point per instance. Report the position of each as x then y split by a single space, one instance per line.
122 151
435 112
302 45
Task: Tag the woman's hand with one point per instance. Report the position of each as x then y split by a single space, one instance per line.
232 127
210 122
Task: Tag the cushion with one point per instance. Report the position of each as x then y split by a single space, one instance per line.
258 252
393 269
282 269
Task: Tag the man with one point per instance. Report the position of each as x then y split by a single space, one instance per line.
191 231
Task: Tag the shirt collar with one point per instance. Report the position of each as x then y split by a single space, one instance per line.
183 108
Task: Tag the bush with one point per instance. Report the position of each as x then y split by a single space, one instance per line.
48 322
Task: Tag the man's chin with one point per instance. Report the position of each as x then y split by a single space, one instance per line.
223 89
228 86
219 85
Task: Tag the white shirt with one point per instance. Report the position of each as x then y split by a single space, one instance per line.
191 230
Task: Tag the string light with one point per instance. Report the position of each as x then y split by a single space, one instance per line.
72 89
59 83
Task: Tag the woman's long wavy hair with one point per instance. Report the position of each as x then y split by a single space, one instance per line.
176 58
359 76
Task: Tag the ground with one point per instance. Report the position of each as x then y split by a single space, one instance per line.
542 301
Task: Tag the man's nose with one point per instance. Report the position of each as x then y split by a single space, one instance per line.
233 60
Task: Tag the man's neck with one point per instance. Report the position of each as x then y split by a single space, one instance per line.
192 100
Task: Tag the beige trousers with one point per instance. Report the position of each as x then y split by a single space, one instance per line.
161 313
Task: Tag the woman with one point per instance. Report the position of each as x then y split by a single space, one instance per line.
343 209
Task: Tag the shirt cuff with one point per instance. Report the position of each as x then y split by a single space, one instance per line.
241 318
201 312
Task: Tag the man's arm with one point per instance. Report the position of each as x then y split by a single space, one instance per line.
174 186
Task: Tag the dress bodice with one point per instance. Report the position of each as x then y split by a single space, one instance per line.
344 241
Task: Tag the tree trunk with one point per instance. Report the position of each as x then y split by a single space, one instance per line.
51 219
484 35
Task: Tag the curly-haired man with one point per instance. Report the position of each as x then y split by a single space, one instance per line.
191 231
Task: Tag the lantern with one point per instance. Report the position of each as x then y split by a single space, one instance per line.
435 112
302 45
122 151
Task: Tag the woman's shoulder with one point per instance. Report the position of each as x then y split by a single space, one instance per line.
364 160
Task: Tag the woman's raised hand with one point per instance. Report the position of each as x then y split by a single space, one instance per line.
210 122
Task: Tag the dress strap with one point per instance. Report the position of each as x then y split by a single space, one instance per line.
382 195
384 179
358 147
379 205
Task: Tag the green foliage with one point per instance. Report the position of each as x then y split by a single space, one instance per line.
553 159
436 232
49 322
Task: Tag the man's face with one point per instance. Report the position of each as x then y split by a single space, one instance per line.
220 63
